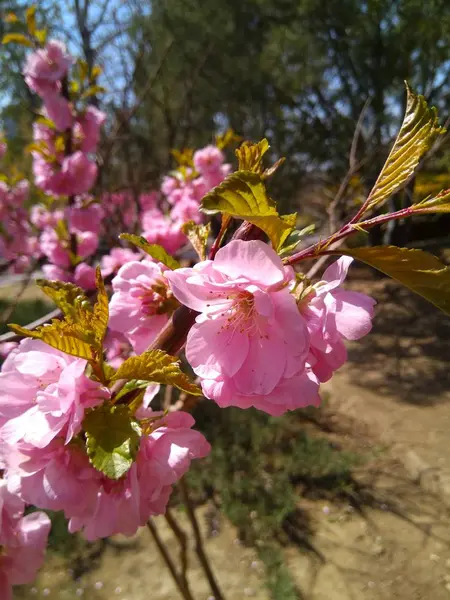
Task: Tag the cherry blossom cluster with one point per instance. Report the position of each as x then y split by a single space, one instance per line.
22 541
45 397
18 244
66 137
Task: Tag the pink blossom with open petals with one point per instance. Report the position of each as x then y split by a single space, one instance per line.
88 128
22 540
163 458
84 276
111 263
332 315
141 303
159 229
58 110
46 67
44 393
208 159
249 339
85 218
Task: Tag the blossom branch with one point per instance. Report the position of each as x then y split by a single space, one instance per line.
168 560
199 548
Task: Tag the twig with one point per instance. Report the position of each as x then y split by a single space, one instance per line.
199 548
182 538
168 560
14 337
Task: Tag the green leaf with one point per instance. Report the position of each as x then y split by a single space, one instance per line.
83 329
156 251
250 156
243 195
158 367
30 16
67 337
438 204
198 236
112 440
66 296
295 238
17 38
419 271
100 314
417 134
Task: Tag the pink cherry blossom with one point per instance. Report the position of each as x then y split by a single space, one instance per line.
141 303
85 218
58 110
57 477
163 231
111 263
208 159
88 128
6 348
44 393
249 340
168 185
54 249
117 348
55 273
332 315
84 276
22 540
46 67
164 457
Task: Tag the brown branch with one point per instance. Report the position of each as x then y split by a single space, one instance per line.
199 548
182 539
186 594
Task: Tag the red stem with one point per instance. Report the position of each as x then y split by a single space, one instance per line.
320 248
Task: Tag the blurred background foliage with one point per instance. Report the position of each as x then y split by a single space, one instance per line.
297 72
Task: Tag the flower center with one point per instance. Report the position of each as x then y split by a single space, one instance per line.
240 316
157 299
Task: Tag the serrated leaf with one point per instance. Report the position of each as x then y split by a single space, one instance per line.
417 134
156 251
419 271
30 16
67 296
112 440
67 337
158 367
83 329
100 313
250 156
243 195
198 236
438 204
17 38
